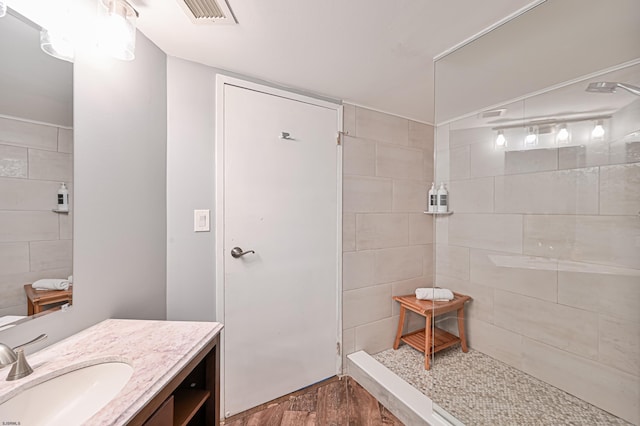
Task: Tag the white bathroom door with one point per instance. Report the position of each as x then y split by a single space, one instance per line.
280 203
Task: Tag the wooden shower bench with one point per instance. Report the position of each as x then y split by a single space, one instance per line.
436 339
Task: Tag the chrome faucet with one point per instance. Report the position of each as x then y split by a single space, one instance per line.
16 357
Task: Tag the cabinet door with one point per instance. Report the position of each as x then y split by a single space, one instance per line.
163 415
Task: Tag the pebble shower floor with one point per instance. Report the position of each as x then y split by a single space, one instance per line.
479 390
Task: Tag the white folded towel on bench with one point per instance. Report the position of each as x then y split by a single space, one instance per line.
51 284
437 294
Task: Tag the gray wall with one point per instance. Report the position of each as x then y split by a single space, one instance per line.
120 206
190 185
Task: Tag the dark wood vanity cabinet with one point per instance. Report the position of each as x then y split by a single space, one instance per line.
191 398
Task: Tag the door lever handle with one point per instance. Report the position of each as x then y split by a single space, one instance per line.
237 252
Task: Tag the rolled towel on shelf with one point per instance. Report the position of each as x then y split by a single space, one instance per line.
51 284
436 294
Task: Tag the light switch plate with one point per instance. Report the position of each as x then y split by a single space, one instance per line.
201 221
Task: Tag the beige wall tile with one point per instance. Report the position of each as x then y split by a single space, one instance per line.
442 168
66 226
485 160
381 127
459 163
50 255
26 194
442 138
366 305
428 260
349 119
376 336
441 227
608 388
14 258
348 345
348 232
465 137
409 196
359 157
498 343
607 293
47 165
486 231
65 140
471 195
357 269
620 344
396 264
364 194
587 155
28 226
452 261
399 162
525 275
609 240
421 136
560 192
620 189
13 162
428 168
624 151
30 135
563 327
420 229
530 161
381 230
481 305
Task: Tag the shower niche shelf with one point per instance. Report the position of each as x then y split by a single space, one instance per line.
439 213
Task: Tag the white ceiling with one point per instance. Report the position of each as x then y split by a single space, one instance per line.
367 52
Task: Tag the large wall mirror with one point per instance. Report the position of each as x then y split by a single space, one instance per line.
36 158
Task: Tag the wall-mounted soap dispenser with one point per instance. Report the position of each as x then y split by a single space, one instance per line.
442 199
63 198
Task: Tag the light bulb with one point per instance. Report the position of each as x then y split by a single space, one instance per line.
598 131
531 138
3 8
563 134
500 139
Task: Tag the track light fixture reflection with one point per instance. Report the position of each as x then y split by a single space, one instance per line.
611 86
598 130
563 134
117 29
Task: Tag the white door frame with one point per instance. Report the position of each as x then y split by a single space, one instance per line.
221 80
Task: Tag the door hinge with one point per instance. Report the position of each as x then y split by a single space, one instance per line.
338 351
339 138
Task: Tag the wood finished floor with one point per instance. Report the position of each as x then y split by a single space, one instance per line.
336 401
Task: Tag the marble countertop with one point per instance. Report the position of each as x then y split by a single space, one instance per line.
157 351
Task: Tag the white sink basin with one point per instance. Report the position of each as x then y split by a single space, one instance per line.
68 399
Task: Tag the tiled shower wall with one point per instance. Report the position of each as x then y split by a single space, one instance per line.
35 242
547 242
387 239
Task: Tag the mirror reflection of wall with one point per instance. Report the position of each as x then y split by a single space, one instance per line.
36 156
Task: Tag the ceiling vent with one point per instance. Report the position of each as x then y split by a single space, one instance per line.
208 11
493 113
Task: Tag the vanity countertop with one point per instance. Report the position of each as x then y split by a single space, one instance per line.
157 351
